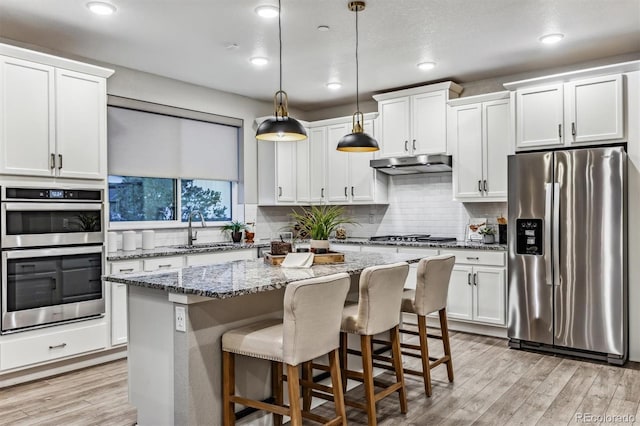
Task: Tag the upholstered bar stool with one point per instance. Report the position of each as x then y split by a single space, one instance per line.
380 297
310 328
430 295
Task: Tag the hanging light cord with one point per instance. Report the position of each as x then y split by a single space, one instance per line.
357 70
280 42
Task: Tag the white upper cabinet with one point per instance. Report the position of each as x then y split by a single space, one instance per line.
362 180
286 158
594 109
337 165
569 109
52 116
317 170
480 136
414 121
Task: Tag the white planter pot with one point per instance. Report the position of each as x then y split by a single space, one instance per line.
319 244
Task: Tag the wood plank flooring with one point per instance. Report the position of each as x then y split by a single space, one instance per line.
493 386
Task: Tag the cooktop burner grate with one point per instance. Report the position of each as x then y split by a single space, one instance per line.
412 238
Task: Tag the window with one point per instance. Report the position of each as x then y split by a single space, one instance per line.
143 199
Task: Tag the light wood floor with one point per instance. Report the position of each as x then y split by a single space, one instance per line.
493 386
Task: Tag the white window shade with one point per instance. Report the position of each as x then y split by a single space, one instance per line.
208 151
156 145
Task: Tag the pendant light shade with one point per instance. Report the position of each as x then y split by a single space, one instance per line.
357 140
281 127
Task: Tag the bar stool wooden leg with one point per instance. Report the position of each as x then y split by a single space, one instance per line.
229 388
336 383
277 389
307 376
397 364
445 342
424 351
367 371
344 340
293 382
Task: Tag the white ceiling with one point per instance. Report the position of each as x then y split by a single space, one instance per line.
468 39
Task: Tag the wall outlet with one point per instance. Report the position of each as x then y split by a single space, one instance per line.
181 319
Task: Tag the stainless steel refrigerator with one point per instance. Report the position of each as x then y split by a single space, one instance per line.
567 252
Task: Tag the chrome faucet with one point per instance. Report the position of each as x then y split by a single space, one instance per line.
192 236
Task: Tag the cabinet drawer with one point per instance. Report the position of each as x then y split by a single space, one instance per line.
471 257
51 346
127 267
162 263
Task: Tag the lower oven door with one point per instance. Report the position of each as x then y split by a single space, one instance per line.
50 285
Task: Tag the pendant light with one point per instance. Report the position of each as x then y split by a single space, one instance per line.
281 127
357 140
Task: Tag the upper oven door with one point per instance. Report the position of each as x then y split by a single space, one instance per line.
34 224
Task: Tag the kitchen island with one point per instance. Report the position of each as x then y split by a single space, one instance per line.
177 318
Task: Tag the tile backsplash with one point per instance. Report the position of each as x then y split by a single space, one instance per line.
420 203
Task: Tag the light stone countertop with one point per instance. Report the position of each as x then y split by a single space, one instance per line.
232 279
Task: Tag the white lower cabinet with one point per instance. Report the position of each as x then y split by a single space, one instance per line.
410 283
478 292
40 346
119 314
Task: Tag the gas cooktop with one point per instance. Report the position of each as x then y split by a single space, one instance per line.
419 238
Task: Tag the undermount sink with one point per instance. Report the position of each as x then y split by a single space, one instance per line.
204 245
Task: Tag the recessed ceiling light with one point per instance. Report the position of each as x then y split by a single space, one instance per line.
323 28
267 11
426 66
551 38
101 8
334 85
259 61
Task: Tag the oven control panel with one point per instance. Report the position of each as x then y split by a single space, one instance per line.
11 194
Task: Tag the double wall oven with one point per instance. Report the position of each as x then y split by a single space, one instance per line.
52 243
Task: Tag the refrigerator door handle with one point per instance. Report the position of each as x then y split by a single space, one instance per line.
556 233
548 205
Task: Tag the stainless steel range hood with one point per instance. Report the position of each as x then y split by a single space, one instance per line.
410 165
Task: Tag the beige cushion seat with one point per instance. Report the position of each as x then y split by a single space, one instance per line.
310 328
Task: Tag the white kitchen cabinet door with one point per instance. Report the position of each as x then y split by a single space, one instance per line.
119 324
81 130
429 123
317 164
337 165
468 158
594 109
489 295
394 127
27 129
539 117
286 157
361 175
496 146
460 298
303 190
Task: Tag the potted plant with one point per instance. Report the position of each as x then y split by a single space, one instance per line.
488 234
318 222
235 228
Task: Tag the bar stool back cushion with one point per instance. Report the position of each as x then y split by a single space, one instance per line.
312 316
432 285
380 293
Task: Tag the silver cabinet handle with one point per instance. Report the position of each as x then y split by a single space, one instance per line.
166 265
352 192
60 346
573 128
479 186
60 159
413 144
485 186
125 270
345 192
406 146
560 131
475 279
473 258
53 161
321 192
279 191
469 278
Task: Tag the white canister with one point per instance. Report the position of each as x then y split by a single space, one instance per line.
112 242
148 239
128 240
